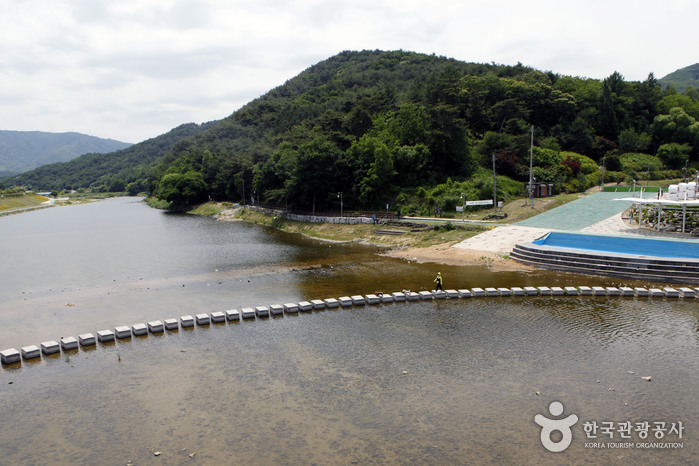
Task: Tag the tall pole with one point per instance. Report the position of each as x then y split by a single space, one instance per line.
495 192
604 159
531 168
340 196
244 193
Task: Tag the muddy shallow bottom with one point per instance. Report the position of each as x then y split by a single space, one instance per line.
443 382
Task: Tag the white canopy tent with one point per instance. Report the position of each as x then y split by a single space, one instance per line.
660 203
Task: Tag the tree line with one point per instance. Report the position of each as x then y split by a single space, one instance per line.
391 127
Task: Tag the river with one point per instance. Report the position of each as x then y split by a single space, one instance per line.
443 382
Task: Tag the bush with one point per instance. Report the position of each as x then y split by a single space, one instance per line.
613 163
448 226
587 165
674 155
639 163
547 158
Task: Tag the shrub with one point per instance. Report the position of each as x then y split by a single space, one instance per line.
587 165
674 155
639 163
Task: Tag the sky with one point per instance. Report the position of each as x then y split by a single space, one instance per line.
131 70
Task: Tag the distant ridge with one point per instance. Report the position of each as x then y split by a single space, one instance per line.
21 151
376 125
682 78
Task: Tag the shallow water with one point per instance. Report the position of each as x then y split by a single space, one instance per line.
442 382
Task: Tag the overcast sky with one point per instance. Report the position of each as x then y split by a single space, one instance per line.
133 69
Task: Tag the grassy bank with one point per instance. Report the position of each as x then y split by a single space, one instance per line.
409 232
12 202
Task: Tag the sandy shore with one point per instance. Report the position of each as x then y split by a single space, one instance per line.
450 254
490 248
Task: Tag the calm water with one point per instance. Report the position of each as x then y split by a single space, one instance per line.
447 382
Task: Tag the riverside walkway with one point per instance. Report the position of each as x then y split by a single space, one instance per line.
580 213
597 213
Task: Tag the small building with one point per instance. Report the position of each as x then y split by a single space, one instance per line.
542 189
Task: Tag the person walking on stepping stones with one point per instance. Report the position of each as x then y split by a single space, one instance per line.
438 281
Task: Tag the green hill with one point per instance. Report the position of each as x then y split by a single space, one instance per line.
106 172
682 79
402 128
21 151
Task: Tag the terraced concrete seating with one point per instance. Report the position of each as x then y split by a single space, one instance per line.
659 269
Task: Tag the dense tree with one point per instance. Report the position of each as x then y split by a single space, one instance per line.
674 155
630 141
182 189
678 127
315 177
376 125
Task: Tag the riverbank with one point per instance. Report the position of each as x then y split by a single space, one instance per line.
16 203
407 239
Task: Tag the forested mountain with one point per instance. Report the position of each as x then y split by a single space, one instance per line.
410 130
24 150
682 79
128 168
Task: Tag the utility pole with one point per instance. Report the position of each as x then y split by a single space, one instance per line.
495 192
531 168
604 159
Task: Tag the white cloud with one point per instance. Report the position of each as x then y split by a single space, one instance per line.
133 69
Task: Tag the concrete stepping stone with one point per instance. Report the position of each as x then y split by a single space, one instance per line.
69 343
187 321
331 303
10 356
122 331
291 308
171 324
105 336
30 352
345 301
50 347
87 339
233 315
